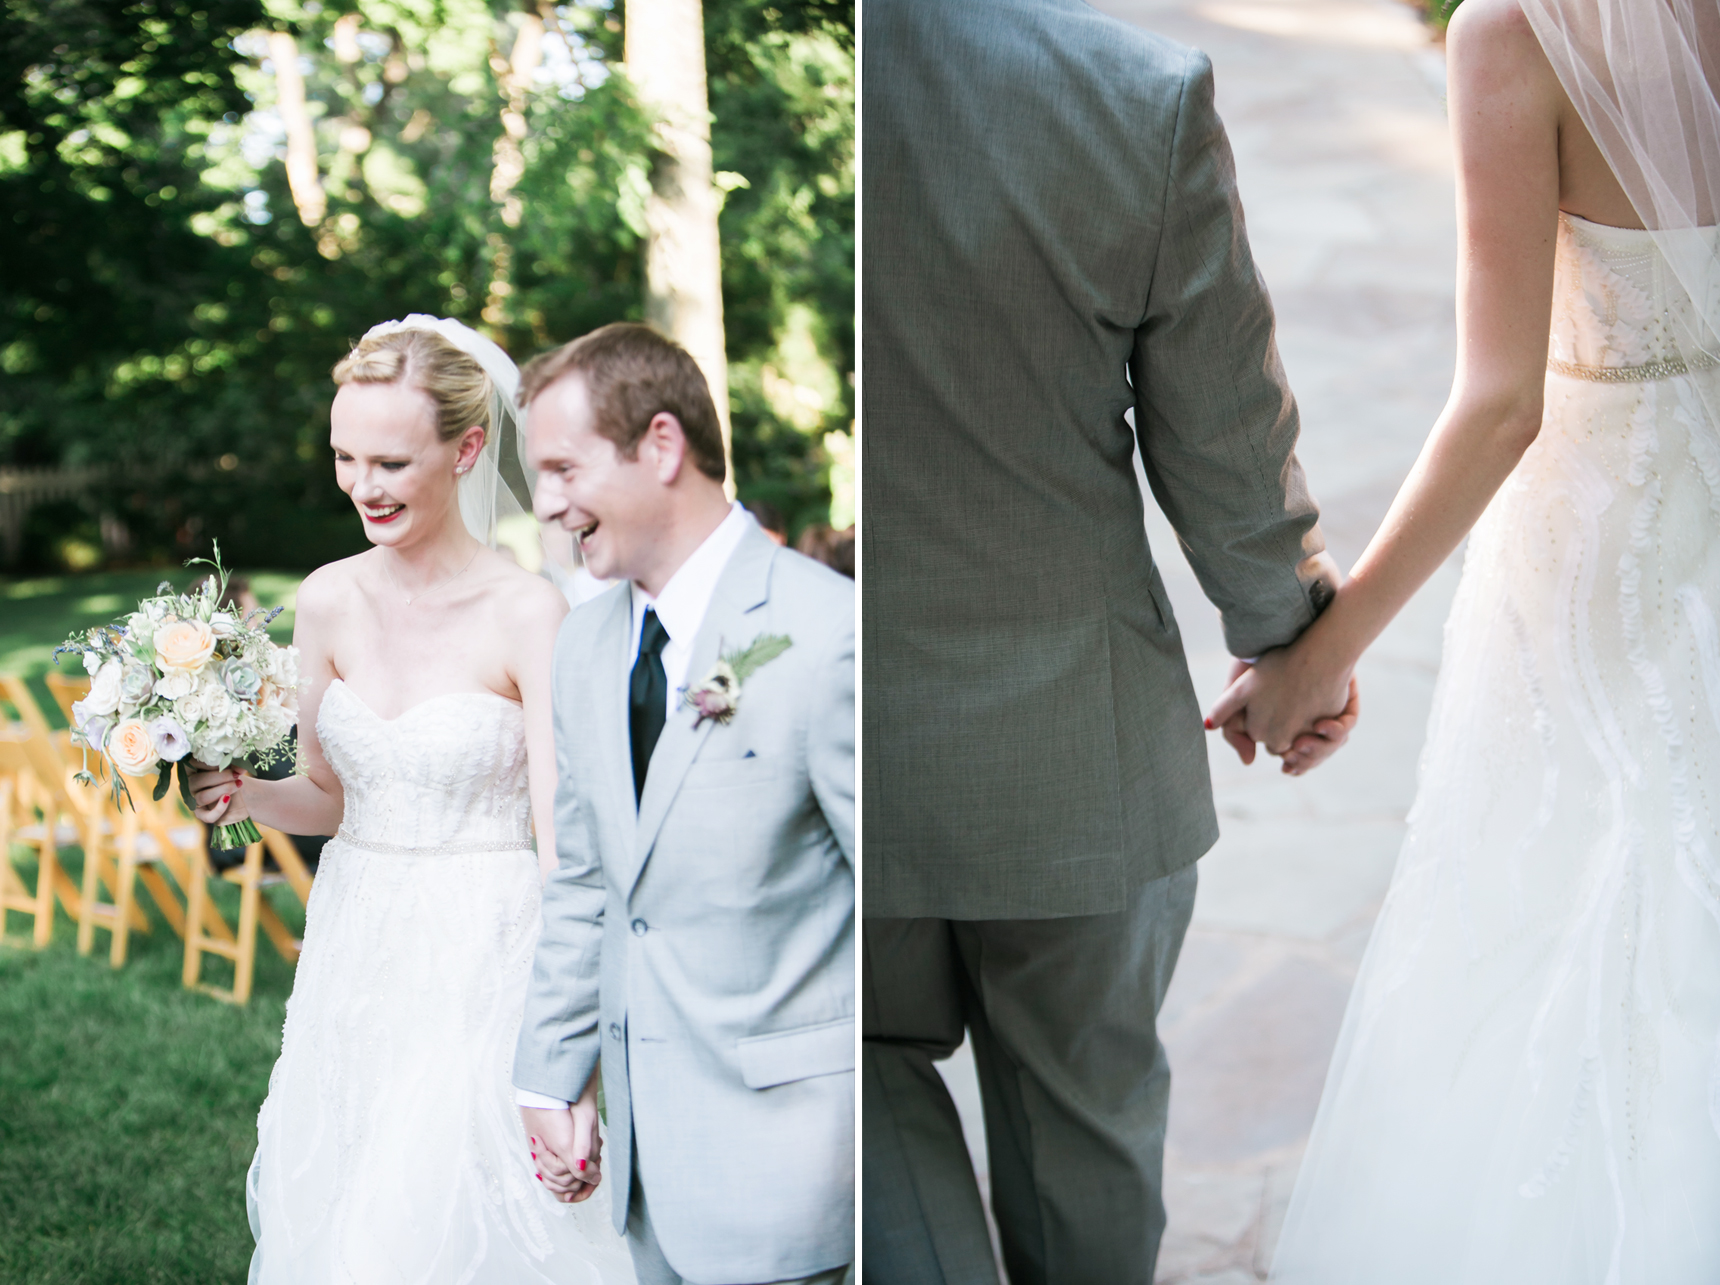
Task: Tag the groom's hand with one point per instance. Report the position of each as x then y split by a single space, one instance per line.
1326 738
565 1148
1311 746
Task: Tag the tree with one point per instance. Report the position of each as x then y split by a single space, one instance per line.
189 239
683 257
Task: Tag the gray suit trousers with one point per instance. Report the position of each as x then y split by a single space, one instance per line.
650 1267
1062 1013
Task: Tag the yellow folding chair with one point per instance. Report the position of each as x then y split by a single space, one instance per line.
254 912
21 800
36 813
65 689
123 846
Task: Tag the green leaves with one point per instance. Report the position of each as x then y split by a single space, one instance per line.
758 653
165 313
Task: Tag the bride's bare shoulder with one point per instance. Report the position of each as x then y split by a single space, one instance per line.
1499 79
1498 19
1493 36
528 601
323 592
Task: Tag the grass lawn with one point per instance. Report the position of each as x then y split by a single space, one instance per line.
128 1105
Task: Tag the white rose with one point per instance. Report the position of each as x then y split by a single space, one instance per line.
104 689
188 709
216 748
92 662
224 623
274 723
174 684
284 666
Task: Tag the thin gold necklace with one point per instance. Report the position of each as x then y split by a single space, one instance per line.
433 588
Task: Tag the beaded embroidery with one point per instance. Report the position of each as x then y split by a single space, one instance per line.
439 850
1671 368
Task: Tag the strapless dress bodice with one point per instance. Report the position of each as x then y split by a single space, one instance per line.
1619 312
448 775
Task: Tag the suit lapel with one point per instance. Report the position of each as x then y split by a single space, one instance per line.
743 587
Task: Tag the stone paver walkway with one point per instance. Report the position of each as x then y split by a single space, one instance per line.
1335 110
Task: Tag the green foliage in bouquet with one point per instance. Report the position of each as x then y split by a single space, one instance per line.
181 683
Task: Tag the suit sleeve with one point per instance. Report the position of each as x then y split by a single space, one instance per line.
830 737
1217 423
559 1041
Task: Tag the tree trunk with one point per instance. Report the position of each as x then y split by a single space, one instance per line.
665 55
508 163
301 138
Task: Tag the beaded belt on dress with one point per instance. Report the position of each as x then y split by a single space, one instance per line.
436 850
1671 368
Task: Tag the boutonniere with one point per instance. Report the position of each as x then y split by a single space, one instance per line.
718 695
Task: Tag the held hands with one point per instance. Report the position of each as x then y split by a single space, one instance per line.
1285 701
566 1149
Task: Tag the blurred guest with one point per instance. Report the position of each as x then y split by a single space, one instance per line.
770 519
835 549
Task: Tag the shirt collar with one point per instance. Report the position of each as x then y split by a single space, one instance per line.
682 604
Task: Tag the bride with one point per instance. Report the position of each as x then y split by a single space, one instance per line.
1526 1089
389 1148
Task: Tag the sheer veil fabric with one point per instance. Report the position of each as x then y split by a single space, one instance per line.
485 496
1644 75
1526 1087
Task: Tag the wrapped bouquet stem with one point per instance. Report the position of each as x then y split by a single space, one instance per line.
182 685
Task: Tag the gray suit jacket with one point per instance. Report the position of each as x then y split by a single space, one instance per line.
1053 238
703 943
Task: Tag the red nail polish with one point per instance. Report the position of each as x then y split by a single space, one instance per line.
1208 723
582 1166
225 797
540 1177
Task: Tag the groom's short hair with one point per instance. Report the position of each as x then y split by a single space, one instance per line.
633 374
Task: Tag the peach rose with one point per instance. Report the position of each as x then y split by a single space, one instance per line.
131 747
183 646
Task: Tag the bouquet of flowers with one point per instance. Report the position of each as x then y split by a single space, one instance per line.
180 683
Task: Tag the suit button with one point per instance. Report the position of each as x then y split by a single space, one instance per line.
615 1030
640 927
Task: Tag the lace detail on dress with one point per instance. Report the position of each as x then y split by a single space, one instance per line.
1527 1087
449 772
389 1150
1616 308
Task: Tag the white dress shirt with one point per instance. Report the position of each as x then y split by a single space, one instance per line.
681 606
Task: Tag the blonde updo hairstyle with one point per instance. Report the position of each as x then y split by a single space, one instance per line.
423 359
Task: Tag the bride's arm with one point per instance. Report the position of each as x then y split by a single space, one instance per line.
1504 106
312 803
539 617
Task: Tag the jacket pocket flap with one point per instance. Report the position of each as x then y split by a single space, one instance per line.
797 1054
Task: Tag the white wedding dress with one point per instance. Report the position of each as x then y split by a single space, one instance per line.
1526 1090
389 1150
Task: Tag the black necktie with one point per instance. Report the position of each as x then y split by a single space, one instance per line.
647 698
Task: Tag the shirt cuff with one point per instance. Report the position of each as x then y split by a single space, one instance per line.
539 1101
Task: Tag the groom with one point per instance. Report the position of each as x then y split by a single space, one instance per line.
1056 275
698 933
